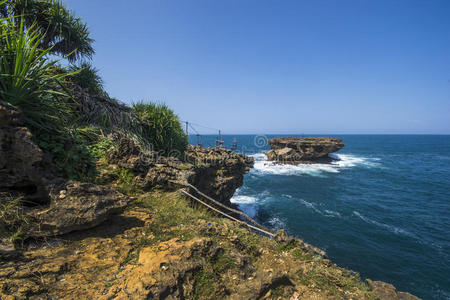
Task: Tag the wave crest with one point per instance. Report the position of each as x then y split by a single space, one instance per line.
391 228
263 166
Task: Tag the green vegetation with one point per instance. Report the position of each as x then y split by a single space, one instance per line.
29 83
204 286
71 129
172 216
87 77
62 33
69 151
99 150
13 221
163 129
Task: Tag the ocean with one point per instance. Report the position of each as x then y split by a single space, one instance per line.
381 209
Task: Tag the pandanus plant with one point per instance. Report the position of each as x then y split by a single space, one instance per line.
29 81
62 32
163 128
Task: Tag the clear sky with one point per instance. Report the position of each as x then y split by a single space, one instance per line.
267 66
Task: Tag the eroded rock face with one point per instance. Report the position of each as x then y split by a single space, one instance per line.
108 262
298 150
386 291
58 207
77 206
22 163
218 172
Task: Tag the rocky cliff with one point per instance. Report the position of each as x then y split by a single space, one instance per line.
301 150
160 247
217 172
130 235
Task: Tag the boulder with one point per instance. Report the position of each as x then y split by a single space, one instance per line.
77 206
298 150
23 165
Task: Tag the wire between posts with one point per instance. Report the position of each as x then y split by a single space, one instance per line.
227 215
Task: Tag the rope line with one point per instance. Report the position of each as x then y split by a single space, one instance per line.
198 125
226 207
220 204
227 215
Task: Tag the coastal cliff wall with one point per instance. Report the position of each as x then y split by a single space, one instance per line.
217 172
131 235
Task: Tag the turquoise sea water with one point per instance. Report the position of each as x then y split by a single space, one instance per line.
382 209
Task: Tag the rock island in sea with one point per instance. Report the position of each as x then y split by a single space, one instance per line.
303 150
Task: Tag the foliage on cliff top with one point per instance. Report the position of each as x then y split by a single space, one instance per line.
63 33
163 129
31 83
67 110
86 76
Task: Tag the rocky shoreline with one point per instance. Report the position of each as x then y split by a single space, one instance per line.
303 150
130 234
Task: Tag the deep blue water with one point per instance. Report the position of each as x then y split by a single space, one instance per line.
383 210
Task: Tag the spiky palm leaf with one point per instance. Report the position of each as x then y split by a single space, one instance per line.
66 34
162 128
27 79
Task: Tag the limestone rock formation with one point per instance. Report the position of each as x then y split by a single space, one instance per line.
301 150
386 291
218 172
127 258
56 206
23 167
77 206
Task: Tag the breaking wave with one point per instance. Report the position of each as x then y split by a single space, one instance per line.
242 199
276 223
265 167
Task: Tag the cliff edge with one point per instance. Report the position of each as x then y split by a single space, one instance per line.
129 233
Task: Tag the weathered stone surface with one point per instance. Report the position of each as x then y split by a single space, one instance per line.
77 206
297 150
386 291
217 172
23 167
109 262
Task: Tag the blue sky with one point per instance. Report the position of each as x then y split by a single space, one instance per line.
266 66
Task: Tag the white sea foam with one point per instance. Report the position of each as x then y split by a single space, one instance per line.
242 199
332 213
310 205
326 212
391 228
263 166
276 223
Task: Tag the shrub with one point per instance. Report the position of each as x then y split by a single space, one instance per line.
27 78
99 149
70 153
13 221
30 83
163 129
86 76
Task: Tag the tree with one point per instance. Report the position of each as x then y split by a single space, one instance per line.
63 33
